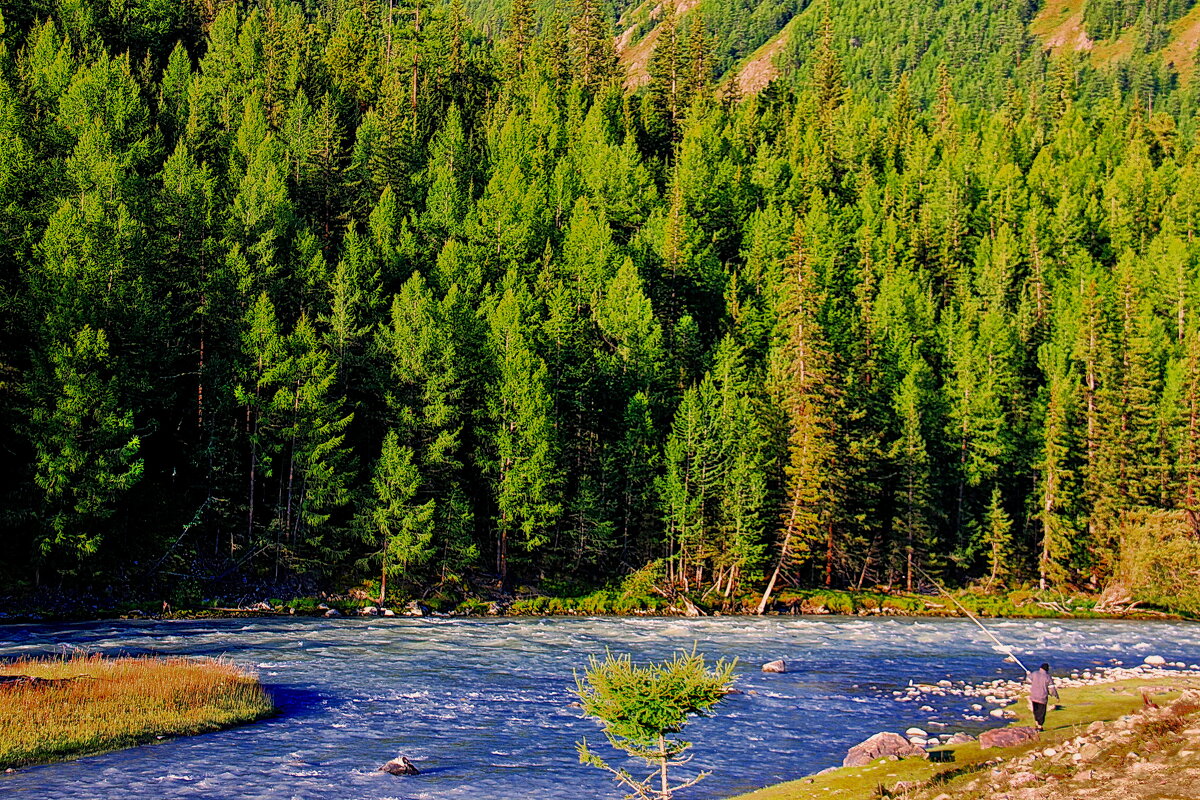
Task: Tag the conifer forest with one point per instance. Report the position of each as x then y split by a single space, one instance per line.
440 292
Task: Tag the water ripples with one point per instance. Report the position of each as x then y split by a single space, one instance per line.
483 707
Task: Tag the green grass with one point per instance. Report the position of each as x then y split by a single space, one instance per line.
1079 707
89 704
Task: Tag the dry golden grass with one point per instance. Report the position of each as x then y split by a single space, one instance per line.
69 707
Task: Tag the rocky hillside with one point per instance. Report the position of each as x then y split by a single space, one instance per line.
777 41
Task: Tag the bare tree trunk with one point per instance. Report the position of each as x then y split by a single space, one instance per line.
662 754
383 576
787 540
829 554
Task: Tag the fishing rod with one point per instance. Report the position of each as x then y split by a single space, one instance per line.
1005 648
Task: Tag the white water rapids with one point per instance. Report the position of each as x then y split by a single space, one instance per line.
483 707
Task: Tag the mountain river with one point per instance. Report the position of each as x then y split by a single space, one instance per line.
483 707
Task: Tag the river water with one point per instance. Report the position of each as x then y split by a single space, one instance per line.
483 706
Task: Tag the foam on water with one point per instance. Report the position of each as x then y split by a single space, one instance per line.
483 707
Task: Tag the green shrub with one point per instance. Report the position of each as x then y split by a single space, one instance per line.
1160 560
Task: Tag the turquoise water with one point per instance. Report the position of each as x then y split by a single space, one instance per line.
483 706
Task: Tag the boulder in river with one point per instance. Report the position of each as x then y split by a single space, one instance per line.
333 612
775 666
400 765
881 745
1155 661
1007 737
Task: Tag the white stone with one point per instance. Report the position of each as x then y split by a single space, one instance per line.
1155 661
914 731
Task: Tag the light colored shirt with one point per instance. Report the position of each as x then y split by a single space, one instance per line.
1041 686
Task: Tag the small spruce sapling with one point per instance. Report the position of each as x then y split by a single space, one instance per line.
640 706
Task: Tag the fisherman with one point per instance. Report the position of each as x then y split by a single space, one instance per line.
1041 686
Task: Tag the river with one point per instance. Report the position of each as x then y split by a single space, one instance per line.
483 706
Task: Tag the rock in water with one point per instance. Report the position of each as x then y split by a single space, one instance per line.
400 765
1007 737
333 612
775 666
1155 661
881 745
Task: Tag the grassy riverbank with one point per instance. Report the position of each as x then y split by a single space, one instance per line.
57 709
617 601
1041 761
620 600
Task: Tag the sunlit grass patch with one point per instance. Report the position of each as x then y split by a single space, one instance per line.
66 707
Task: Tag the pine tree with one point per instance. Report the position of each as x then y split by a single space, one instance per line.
802 387
913 524
521 438
87 452
521 29
593 57
318 464
668 71
396 524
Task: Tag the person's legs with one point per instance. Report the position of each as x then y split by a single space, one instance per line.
1039 714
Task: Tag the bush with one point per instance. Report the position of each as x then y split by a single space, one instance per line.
641 707
1160 560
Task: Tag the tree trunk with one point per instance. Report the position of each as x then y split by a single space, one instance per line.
787 540
383 577
662 755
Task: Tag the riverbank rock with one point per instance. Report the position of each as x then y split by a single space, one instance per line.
387 612
881 745
368 611
333 612
960 738
1007 737
777 666
416 608
400 765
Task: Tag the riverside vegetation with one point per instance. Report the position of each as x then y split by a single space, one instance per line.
351 290
60 708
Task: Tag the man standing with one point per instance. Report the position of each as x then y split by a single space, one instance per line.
1041 686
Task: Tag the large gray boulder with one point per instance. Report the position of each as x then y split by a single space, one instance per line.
775 666
881 745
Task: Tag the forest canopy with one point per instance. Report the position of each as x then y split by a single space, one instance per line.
367 289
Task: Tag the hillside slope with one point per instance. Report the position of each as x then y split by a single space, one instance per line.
1058 26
